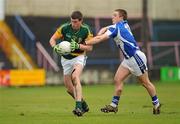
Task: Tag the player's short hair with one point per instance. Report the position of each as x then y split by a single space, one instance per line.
77 15
122 13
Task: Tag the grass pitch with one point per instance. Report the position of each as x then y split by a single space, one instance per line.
52 105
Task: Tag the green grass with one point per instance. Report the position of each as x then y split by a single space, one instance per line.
52 105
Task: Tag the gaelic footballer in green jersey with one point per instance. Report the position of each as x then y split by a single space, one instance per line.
74 32
67 33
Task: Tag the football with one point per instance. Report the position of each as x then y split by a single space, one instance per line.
65 47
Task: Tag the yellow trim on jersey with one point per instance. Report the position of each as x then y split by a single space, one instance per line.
90 35
58 32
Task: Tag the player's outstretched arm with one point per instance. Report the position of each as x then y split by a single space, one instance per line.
86 47
97 39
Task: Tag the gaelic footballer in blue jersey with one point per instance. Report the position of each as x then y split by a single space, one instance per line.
134 59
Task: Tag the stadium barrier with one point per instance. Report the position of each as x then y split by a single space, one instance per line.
44 59
13 49
170 74
35 49
27 38
4 78
35 77
163 54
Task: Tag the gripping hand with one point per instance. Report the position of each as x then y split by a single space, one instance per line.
57 49
74 45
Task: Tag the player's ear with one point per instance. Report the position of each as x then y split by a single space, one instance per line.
81 21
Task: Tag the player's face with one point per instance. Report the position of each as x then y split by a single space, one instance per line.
76 24
116 17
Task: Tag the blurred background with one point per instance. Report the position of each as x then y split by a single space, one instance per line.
26 26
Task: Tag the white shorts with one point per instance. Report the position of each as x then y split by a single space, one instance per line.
68 64
137 64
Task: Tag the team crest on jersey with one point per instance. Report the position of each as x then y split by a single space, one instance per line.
79 40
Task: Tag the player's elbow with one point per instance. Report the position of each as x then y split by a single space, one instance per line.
52 42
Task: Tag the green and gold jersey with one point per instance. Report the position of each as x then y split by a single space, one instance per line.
65 32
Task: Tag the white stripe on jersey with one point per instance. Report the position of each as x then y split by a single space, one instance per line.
121 45
124 40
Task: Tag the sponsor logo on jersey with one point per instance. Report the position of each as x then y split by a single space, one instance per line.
68 35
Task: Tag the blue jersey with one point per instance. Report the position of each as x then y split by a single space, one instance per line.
124 38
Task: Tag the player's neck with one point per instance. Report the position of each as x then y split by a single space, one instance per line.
76 30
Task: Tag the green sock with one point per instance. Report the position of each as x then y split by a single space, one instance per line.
79 104
84 104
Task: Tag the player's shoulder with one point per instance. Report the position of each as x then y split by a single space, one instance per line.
65 25
85 26
111 27
122 23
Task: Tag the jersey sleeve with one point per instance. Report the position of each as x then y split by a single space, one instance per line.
58 32
89 34
112 31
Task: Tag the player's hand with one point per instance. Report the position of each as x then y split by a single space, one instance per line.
57 49
74 45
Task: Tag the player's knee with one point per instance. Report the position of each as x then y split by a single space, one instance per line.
118 85
75 79
117 81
